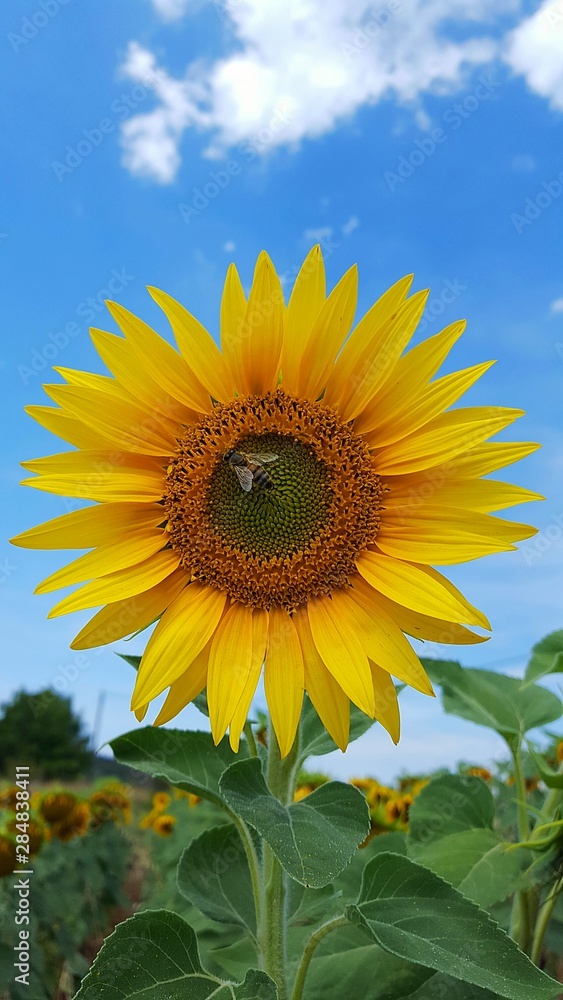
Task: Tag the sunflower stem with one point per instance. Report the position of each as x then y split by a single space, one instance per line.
280 776
252 748
309 951
522 920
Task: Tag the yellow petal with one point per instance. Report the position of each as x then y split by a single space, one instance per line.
230 662
121 359
327 336
196 346
92 463
133 486
414 587
83 529
426 405
120 585
130 425
90 380
443 438
409 493
412 371
284 678
380 356
371 330
382 640
444 535
341 651
159 357
133 614
65 426
330 702
233 306
182 632
186 688
306 301
129 551
422 627
386 704
487 458
261 332
259 643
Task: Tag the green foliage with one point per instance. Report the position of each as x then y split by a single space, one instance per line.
414 914
547 657
265 881
74 886
493 700
313 839
154 955
188 760
42 730
213 874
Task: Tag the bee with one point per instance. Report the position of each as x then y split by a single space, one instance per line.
249 468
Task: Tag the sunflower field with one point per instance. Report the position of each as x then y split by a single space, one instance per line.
446 884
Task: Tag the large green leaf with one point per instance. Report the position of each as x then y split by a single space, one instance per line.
547 658
154 956
315 741
186 759
441 987
551 778
414 914
213 874
347 968
313 839
493 700
449 804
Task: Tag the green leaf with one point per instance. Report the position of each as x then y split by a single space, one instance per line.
414 914
308 906
449 804
493 700
133 661
347 968
313 839
551 778
453 857
189 760
440 987
315 741
547 658
154 956
498 874
213 874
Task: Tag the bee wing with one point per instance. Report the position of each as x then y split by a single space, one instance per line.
244 477
262 457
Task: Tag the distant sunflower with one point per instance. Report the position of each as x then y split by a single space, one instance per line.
314 555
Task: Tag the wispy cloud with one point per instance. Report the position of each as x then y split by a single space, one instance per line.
317 62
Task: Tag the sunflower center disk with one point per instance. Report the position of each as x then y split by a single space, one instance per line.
296 532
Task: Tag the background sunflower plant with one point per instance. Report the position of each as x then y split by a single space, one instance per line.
277 507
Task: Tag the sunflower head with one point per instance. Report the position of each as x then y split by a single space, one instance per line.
276 504
164 824
56 806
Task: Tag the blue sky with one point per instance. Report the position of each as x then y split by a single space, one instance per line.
153 142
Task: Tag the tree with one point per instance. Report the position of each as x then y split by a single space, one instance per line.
41 730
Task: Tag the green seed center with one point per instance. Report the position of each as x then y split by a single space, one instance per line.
278 521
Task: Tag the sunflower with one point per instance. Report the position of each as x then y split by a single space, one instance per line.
313 557
164 824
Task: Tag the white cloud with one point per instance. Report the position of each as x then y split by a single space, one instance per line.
349 226
300 67
535 50
229 246
318 235
557 306
171 10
